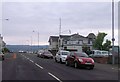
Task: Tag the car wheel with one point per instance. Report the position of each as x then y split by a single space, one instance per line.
37 55
91 68
75 65
66 63
61 61
55 60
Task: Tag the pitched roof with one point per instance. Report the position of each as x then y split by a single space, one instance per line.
54 38
91 35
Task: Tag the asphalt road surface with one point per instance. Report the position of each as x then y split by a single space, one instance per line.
24 66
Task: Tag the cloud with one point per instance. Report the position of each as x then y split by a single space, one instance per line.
43 17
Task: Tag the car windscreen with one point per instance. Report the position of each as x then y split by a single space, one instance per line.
47 53
65 53
104 52
81 54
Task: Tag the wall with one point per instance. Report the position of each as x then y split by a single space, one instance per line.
78 48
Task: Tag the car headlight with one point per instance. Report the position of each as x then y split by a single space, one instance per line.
92 60
80 60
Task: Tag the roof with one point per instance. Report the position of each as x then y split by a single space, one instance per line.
65 37
91 35
54 38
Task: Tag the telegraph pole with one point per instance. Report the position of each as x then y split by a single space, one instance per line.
59 42
113 39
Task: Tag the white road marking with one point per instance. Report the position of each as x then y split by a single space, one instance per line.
54 76
38 65
112 68
32 61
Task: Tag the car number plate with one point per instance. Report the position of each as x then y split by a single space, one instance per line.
88 63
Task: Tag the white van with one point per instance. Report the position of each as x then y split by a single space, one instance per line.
61 56
100 53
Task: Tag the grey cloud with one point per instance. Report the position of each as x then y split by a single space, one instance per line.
44 17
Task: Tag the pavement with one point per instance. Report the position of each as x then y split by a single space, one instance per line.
108 66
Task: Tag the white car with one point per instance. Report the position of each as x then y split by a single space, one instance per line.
61 56
100 53
1 56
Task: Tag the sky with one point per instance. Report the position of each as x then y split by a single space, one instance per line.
81 17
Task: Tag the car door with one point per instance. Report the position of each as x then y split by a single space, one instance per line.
71 58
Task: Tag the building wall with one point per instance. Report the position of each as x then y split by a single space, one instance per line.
78 48
53 45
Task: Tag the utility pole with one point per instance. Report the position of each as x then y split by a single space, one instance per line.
31 43
38 40
59 42
113 39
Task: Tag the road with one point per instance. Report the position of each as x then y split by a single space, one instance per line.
24 66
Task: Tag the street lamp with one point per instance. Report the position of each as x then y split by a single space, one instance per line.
38 37
28 45
4 19
31 43
113 39
59 39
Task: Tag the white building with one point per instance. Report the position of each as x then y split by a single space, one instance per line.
74 42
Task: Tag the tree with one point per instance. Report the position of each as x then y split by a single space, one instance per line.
98 44
4 50
106 46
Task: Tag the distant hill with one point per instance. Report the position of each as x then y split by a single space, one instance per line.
16 48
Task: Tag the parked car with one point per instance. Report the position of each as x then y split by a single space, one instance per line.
100 53
61 56
39 53
2 56
79 59
46 54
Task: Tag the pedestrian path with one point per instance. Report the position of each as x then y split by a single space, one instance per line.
107 66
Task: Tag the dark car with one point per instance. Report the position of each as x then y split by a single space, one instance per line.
79 59
46 54
39 53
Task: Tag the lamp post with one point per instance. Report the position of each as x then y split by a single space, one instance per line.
4 19
59 47
31 43
113 39
28 45
59 39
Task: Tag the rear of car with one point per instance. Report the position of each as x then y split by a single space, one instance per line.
39 53
79 59
61 56
46 54
2 56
